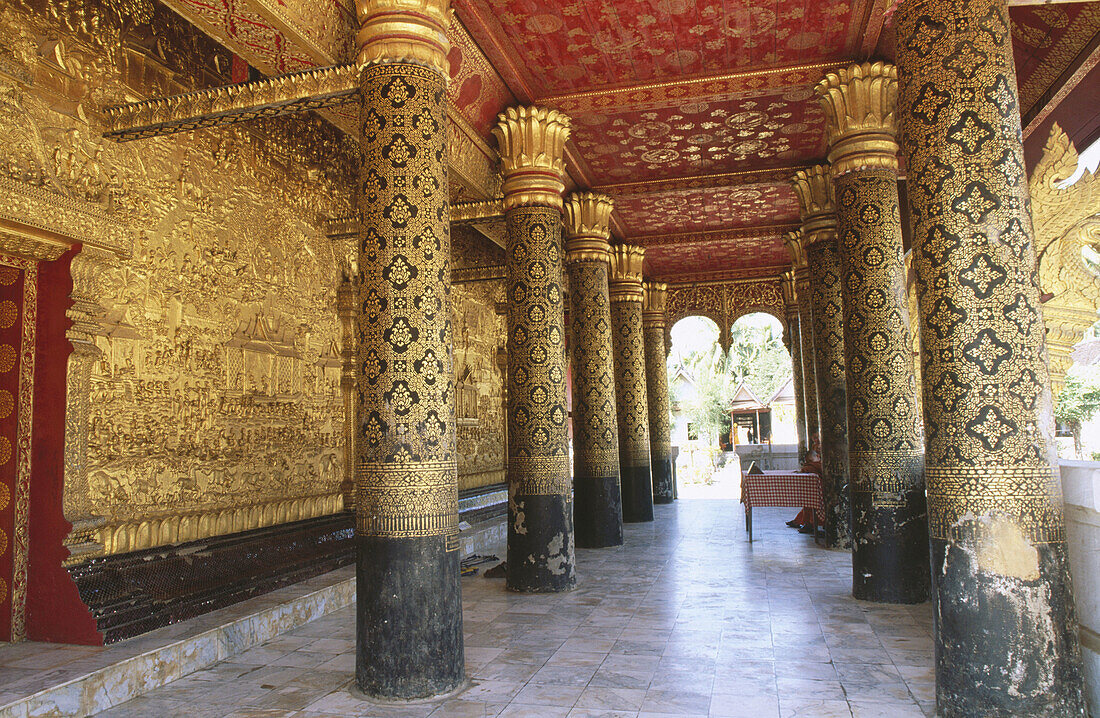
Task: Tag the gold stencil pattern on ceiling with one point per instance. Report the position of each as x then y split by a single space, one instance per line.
215 403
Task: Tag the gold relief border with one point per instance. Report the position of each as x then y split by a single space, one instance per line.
961 498
541 475
646 94
119 536
779 175
36 223
311 89
24 432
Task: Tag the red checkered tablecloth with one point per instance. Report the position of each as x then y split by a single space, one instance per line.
782 488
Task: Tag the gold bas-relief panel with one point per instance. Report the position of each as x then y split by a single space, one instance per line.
215 402
479 403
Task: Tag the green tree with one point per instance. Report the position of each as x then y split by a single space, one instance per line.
756 357
1079 400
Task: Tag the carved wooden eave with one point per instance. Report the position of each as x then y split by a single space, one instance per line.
269 97
38 224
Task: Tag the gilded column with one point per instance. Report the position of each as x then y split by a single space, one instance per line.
885 457
408 602
815 196
598 504
656 379
1006 629
804 295
540 493
792 338
630 382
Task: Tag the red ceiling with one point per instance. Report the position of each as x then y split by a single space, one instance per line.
756 130
577 45
700 257
706 209
665 90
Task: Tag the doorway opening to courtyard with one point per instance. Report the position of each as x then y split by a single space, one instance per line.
732 403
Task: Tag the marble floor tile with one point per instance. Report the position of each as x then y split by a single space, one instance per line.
686 619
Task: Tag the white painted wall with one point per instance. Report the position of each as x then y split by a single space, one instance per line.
1081 487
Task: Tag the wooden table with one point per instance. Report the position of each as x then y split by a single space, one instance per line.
782 488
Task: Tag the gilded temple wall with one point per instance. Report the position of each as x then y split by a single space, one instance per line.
215 405
478 331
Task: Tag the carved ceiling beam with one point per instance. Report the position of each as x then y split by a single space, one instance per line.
777 175
485 273
716 235
282 95
650 94
462 212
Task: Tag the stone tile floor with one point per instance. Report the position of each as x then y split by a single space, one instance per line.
686 619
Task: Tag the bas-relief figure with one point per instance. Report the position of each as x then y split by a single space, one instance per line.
215 401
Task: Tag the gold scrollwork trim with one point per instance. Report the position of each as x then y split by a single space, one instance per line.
20 540
961 497
120 536
282 95
541 475
474 211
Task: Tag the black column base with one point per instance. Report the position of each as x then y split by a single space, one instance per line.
890 550
662 481
598 512
541 556
408 618
637 482
1006 644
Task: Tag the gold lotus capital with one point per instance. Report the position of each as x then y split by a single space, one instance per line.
532 154
654 303
625 282
587 226
793 241
814 188
787 286
860 102
412 31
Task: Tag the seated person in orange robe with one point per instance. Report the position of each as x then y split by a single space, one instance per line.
812 464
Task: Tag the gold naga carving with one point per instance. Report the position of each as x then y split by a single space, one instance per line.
1067 220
